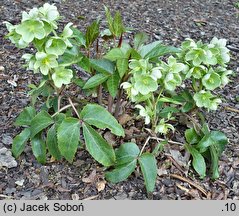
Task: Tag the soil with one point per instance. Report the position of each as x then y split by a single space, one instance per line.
170 21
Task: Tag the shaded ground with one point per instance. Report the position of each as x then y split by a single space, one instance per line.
171 21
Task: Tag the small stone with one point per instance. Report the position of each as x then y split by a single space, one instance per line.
2 68
7 140
6 158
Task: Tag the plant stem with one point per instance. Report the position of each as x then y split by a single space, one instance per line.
75 110
110 103
118 103
99 94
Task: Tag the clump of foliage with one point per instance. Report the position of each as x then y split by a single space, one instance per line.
163 82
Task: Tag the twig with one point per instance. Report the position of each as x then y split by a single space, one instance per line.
231 109
146 142
91 198
158 139
64 108
175 163
189 182
74 108
5 196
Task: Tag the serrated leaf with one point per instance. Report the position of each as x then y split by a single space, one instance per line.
121 173
113 84
99 149
192 136
98 116
198 161
114 54
109 19
118 25
41 121
214 138
149 169
78 36
58 119
51 142
68 136
214 162
156 49
70 56
39 148
140 39
166 111
95 80
122 66
25 116
92 32
126 153
169 100
103 66
20 141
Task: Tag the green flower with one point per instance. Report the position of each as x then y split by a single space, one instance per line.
31 29
156 73
171 81
214 103
211 80
203 99
224 79
62 76
197 72
141 65
33 14
173 66
197 56
30 60
45 62
219 50
163 127
49 12
56 46
144 113
145 84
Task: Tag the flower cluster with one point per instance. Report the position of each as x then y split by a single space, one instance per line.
38 26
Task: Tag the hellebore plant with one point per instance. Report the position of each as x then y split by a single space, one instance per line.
153 76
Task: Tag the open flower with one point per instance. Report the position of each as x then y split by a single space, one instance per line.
62 76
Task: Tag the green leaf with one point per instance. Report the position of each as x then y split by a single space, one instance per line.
114 54
126 153
99 149
169 100
214 138
95 80
156 49
118 25
70 56
109 19
198 161
51 142
20 141
113 84
78 36
103 66
149 169
92 32
186 98
140 39
122 66
39 148
192 136
165 112
41 121
58 119
121 173
98 116
214 162
68 136
25 116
